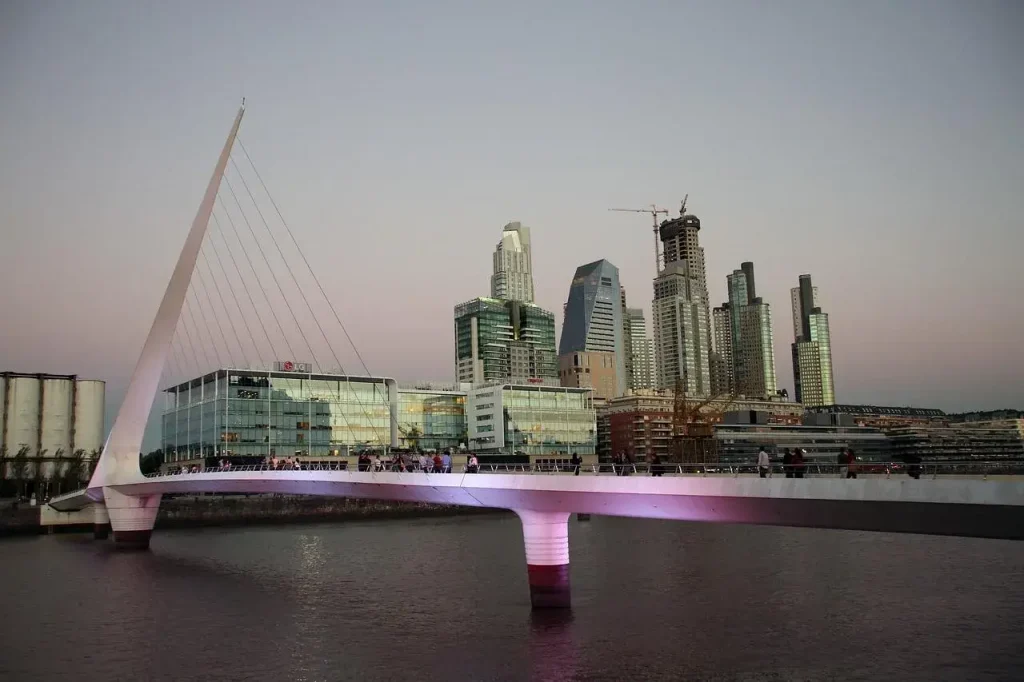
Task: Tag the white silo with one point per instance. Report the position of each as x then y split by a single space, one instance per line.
90 400
21 407
56 396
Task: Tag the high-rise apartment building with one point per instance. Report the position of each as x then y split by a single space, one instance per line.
798 315
593 320
812 349
627 338
642 351
504 341
723 380
680 312
513 265
750 342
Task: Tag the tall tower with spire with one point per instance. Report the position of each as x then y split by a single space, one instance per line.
513 265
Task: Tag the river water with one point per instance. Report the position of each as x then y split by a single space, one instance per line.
447 599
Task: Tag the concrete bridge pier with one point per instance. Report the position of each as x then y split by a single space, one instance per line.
546 536
100 521
131 518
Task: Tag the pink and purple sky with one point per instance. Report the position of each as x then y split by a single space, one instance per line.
877 146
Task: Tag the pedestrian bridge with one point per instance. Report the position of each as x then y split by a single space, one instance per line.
952 504
127 502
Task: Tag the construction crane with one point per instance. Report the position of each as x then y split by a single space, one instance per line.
655 212
692 427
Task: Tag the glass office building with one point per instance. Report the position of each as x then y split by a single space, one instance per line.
252 414
533 420
431 419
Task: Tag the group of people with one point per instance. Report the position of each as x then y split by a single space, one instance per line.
436 464
794 463
286 464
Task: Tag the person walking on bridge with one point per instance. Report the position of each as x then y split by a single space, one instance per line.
763 462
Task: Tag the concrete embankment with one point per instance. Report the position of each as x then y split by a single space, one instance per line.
229 510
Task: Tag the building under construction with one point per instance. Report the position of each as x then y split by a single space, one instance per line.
641 424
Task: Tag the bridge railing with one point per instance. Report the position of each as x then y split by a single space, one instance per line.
983 468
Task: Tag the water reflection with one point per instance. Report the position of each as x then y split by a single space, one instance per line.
553 649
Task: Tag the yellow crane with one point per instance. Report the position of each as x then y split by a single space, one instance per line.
693 428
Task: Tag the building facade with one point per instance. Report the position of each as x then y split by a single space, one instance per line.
680 312
812 350
750 342
49 424
533 420
593 322
641 424
513 265
250 415
593 370
723 364
431 418
627 339
504 341
54 414
796 301
641 349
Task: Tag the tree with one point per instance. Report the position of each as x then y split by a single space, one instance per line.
75 470
150 463
39 473
92 461
19 469
412 435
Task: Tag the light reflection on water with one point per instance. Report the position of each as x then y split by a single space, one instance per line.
447 600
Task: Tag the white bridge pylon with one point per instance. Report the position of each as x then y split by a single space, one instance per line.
119 461
192 336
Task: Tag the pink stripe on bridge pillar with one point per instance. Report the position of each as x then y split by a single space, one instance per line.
546 538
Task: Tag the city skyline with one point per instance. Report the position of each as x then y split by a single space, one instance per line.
98 190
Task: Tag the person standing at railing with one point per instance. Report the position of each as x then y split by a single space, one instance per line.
841 462
423 463
787 463
473 466
438 465
763 462
446 463
576 461
799 465
656 468
851 464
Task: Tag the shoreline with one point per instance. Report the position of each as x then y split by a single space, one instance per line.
238 510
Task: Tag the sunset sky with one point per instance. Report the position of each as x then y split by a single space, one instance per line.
877 146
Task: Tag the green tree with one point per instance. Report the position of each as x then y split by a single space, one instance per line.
412 435
75 471
19 469
150 462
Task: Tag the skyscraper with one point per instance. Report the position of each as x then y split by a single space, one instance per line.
627 339
723 380
513 265
504 341
798 315
751 342
593 323
680 312
812 349
642 351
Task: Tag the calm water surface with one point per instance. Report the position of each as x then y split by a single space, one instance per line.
447 600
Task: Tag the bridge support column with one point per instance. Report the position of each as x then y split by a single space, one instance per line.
131 518
100 521
546 536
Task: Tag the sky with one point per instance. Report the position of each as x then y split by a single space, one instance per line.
877 146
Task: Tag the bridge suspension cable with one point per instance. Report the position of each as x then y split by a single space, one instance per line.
312 273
